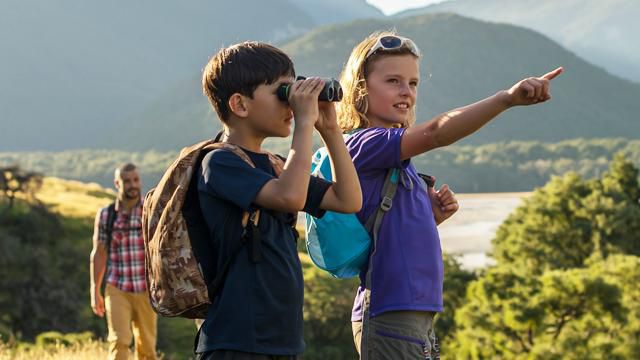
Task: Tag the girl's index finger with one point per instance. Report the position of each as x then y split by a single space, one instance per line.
552 74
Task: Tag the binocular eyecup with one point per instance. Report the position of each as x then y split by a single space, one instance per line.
332 91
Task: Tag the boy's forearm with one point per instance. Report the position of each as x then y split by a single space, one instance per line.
294 179
346 183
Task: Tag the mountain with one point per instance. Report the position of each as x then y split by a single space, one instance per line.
74 73
464 61
335 11
603 32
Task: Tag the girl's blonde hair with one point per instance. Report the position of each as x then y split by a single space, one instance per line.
352 109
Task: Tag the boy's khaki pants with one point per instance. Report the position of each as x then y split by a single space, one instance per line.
129 315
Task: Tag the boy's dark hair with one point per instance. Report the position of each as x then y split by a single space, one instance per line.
241 68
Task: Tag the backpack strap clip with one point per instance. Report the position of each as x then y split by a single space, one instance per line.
251 234
386 203
255 248
388 192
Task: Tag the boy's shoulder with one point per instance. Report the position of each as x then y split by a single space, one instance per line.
234 177
219 156
227 153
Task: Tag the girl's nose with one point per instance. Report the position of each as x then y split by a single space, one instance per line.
405 90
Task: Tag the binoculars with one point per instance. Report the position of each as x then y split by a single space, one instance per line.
332 91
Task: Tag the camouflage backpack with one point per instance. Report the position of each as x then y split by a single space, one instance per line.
175 279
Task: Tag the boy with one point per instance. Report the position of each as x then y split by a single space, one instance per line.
257 314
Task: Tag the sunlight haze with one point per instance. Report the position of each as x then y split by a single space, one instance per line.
389 7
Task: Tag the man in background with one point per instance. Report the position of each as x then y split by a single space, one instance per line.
118 251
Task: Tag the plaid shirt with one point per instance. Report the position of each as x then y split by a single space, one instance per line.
126 256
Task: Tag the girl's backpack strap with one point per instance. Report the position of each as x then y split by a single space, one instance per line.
388 192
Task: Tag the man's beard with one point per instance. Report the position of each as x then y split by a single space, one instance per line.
132 194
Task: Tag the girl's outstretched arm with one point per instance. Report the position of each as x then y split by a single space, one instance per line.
453 125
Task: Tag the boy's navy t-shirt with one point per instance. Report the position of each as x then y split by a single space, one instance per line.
259 307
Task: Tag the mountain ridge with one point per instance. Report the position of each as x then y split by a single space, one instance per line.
464 61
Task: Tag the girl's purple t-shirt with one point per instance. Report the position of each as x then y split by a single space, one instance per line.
407 263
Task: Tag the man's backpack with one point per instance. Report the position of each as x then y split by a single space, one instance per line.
171 220
112 214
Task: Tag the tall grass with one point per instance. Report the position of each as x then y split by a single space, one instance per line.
83 350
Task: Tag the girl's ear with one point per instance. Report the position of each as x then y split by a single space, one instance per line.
238 105
362 104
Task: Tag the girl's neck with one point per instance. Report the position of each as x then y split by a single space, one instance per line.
375 122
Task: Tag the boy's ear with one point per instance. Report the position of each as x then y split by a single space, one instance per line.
238 105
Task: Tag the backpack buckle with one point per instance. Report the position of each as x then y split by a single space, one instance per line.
386 203
254 217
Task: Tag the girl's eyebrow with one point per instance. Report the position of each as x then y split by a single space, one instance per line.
401 76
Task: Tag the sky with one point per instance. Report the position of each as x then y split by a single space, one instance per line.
389 7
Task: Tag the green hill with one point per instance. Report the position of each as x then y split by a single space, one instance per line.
125 75
74 73
464 60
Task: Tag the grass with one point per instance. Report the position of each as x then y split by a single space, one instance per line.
89 349
73 198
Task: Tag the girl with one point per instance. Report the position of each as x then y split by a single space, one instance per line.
401 289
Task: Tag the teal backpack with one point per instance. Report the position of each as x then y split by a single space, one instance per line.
339 243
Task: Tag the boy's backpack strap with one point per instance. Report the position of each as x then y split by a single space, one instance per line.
112 214
388 192
251 232
218 137
249 221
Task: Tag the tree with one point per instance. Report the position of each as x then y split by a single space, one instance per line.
580 313
456 281
614 210
569 219
43 272
14 180
546 232
565 281
327 314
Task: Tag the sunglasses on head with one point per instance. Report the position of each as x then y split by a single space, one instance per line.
391 42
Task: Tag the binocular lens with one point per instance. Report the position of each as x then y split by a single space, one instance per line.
332 91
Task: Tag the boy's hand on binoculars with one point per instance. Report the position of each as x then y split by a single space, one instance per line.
327 121
533 90
303 99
